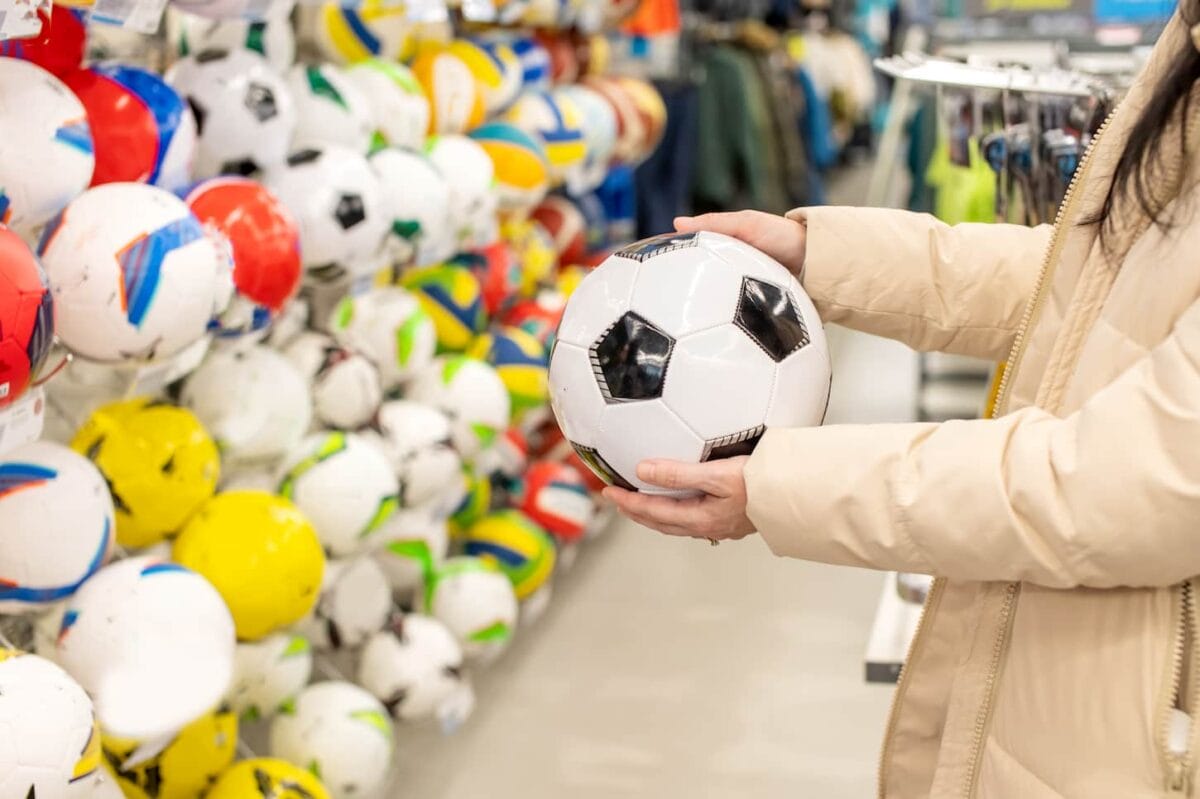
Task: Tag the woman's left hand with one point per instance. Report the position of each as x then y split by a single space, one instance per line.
720 514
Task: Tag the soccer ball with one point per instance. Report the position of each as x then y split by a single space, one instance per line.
26 317
330 107
264 240
159 462
419 198
340 733
355 603
398 104
261 554
553 119
521 363
451 296
268 675
636 374
253 401
267 778
346 389
151 642
471 394
348 34
555 496
134 276
519 161
340 204
388 326
48 735
517 546
470 176
271 37
244 112
417 440
415 542
344 485
142 129
184 767
413 668
477 603
42 123
57 519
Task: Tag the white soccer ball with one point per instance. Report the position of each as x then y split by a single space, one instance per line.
57 518
42 124
355 603
389 327
414 544
398 103
253 402
471 394
135 277
413 668
244 111
344 485
339 732
470 175
476 602
418 440
419 198
48 735
271 37
151 642
340 204
268 675
345 384
331 109
637 374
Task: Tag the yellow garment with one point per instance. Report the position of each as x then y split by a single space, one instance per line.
964 194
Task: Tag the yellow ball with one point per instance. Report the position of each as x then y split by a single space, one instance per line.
261 554
452 297
455 102
267 778
185 768
349 33
521 362
535 252
160 463
522 172
517 546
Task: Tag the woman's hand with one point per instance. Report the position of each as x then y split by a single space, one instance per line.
719 514
783 239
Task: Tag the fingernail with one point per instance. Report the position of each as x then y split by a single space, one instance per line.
645 471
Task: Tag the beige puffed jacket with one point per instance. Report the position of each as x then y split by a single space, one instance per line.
1065 534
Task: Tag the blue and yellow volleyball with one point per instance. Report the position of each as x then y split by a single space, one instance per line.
347 34
519 547
521 362
496 71
453 299
522 169
475 504
554 120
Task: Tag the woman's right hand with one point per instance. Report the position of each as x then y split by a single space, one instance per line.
779 237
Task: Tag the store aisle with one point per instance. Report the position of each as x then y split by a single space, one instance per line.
668 668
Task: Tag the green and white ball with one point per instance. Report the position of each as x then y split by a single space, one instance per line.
419 197
471 394
340 733
413 668
344 486
355 603
398 103
418 442
268 675
389 327
346 385
476 602
415 544
271 37
330 109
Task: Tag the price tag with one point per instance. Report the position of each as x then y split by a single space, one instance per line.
457 708
19 19
21 423
141 16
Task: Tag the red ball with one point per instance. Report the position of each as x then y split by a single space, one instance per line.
263 236
498 271
555 496
567 227
58 48
26 317
564 59
538 317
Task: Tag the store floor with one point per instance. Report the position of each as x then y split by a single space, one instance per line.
668 668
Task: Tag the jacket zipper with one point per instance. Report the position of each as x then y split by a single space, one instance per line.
1187 644
931 603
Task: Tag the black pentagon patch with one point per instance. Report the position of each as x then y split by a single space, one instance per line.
597 464
244 167
350 211
768 315
731 446
630 359
303 157
208 55
199 112
260 100
645 249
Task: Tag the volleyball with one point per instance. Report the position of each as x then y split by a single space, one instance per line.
399 107
517 546
522 170
555 495
455 102
452 297
521 362
553 119
347 34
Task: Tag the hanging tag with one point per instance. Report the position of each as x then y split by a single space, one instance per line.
141 16
428 11
21 423
19 19
457 708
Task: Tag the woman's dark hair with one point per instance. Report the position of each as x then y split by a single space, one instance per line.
1137 170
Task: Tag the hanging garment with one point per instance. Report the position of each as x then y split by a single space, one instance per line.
664 180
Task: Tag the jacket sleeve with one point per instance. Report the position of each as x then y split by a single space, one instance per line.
1108 496
909 277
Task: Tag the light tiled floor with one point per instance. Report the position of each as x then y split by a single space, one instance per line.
669 668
